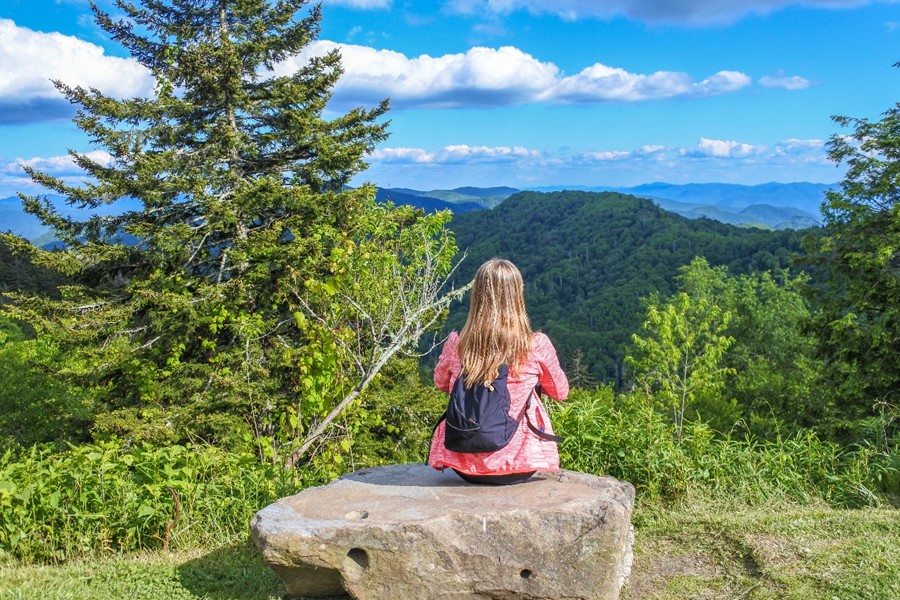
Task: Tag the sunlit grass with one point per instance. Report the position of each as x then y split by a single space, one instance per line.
778 551
233 571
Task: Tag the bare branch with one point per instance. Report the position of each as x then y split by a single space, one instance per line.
196 250
147 345
414 306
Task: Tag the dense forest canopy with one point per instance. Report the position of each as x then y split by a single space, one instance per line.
589 259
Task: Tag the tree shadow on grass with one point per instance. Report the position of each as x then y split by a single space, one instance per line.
234 572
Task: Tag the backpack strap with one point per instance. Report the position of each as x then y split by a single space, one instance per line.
538 432
442 418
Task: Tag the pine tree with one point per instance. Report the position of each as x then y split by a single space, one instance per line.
578 373
244 289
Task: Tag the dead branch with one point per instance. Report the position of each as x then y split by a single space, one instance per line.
414 307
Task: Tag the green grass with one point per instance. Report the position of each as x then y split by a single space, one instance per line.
787 551
766 552
627 437
230 572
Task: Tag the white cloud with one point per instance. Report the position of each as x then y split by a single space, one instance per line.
794 82
722 83
794 145
707 149
709 160
31 59
456 154
402 155
691 12
56 165
602 83
497 77
644 154
465 153
481 76
606 155
811 151
722 149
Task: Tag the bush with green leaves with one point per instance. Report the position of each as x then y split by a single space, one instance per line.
395 421
9 331
625 436
729 348
679 359
111 497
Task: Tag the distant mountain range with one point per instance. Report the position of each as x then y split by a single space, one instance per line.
461 199
769 206
13 218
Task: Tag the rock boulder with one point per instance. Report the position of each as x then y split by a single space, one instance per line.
410 532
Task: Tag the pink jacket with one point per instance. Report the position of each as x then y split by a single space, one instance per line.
526 451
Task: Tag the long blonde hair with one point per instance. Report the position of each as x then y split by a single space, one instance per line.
497 330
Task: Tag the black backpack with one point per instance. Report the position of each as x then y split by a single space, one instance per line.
477 419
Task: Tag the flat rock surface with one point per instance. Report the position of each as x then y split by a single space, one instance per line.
408 531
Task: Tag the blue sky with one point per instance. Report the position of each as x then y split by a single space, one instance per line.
526 93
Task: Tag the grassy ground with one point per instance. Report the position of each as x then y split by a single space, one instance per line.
789 552
231 572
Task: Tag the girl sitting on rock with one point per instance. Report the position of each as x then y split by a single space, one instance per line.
497 334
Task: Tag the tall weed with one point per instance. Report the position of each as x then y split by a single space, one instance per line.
625 436
109 497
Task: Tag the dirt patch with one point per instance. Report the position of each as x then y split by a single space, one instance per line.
652 574
771 551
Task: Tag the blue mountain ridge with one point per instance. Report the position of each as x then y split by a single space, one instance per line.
421 200
802 196
771 205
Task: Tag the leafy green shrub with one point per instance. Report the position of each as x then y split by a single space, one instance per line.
9 331
390 422
108 497
613 434
624 436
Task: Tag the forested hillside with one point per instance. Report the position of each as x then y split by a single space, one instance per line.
589 258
